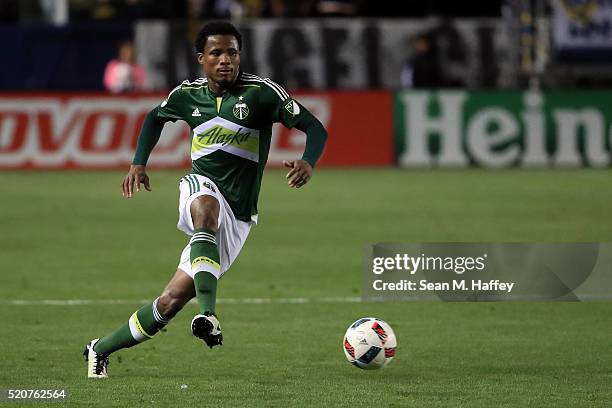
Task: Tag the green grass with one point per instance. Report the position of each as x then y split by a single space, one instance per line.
69 235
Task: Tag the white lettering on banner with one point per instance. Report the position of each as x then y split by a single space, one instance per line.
13 134
420 125
534 154
492 133
102 132
568 122
45 132
338 53
481 141
289 144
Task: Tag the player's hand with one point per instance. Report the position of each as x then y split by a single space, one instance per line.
300 173
136 175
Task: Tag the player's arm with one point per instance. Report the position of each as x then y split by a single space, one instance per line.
316 135
149 136
292 114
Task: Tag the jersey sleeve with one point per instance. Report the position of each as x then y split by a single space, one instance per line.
282 107
291 113
150 132
169 109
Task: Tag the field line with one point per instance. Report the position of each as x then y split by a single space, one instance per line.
250 301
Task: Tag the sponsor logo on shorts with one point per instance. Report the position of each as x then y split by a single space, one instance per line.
209 186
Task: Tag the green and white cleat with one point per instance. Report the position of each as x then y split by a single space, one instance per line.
97 363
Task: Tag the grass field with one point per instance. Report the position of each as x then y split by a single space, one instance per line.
71 235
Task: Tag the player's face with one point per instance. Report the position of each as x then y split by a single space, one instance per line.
221 60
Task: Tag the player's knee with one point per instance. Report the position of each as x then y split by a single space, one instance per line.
205 212
171 302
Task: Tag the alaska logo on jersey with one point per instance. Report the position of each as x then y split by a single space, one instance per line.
222 134
241 110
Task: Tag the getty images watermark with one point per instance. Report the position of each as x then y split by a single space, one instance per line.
488 271
458 265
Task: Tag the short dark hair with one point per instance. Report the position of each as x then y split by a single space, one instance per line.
216 28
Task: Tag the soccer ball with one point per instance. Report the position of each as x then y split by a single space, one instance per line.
369 343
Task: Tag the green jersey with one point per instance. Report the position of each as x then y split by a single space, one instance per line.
231 133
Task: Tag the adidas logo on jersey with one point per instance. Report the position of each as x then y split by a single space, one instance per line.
196 112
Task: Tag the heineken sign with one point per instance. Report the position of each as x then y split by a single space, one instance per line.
498 129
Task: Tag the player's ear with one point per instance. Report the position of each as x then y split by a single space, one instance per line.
200 56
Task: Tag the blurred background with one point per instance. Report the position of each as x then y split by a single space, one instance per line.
512 82
520 86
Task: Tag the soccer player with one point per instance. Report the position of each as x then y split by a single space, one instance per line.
230 114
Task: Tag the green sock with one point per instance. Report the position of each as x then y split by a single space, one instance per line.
206 268
206 291
142 325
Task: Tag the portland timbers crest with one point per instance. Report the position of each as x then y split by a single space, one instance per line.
241 110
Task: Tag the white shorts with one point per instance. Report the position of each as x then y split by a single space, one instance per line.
232 232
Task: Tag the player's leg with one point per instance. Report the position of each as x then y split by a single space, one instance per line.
176 294
231 236
216 239
205 267
204 253
142 324
199 217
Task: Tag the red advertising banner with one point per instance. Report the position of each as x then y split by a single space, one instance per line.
63 131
